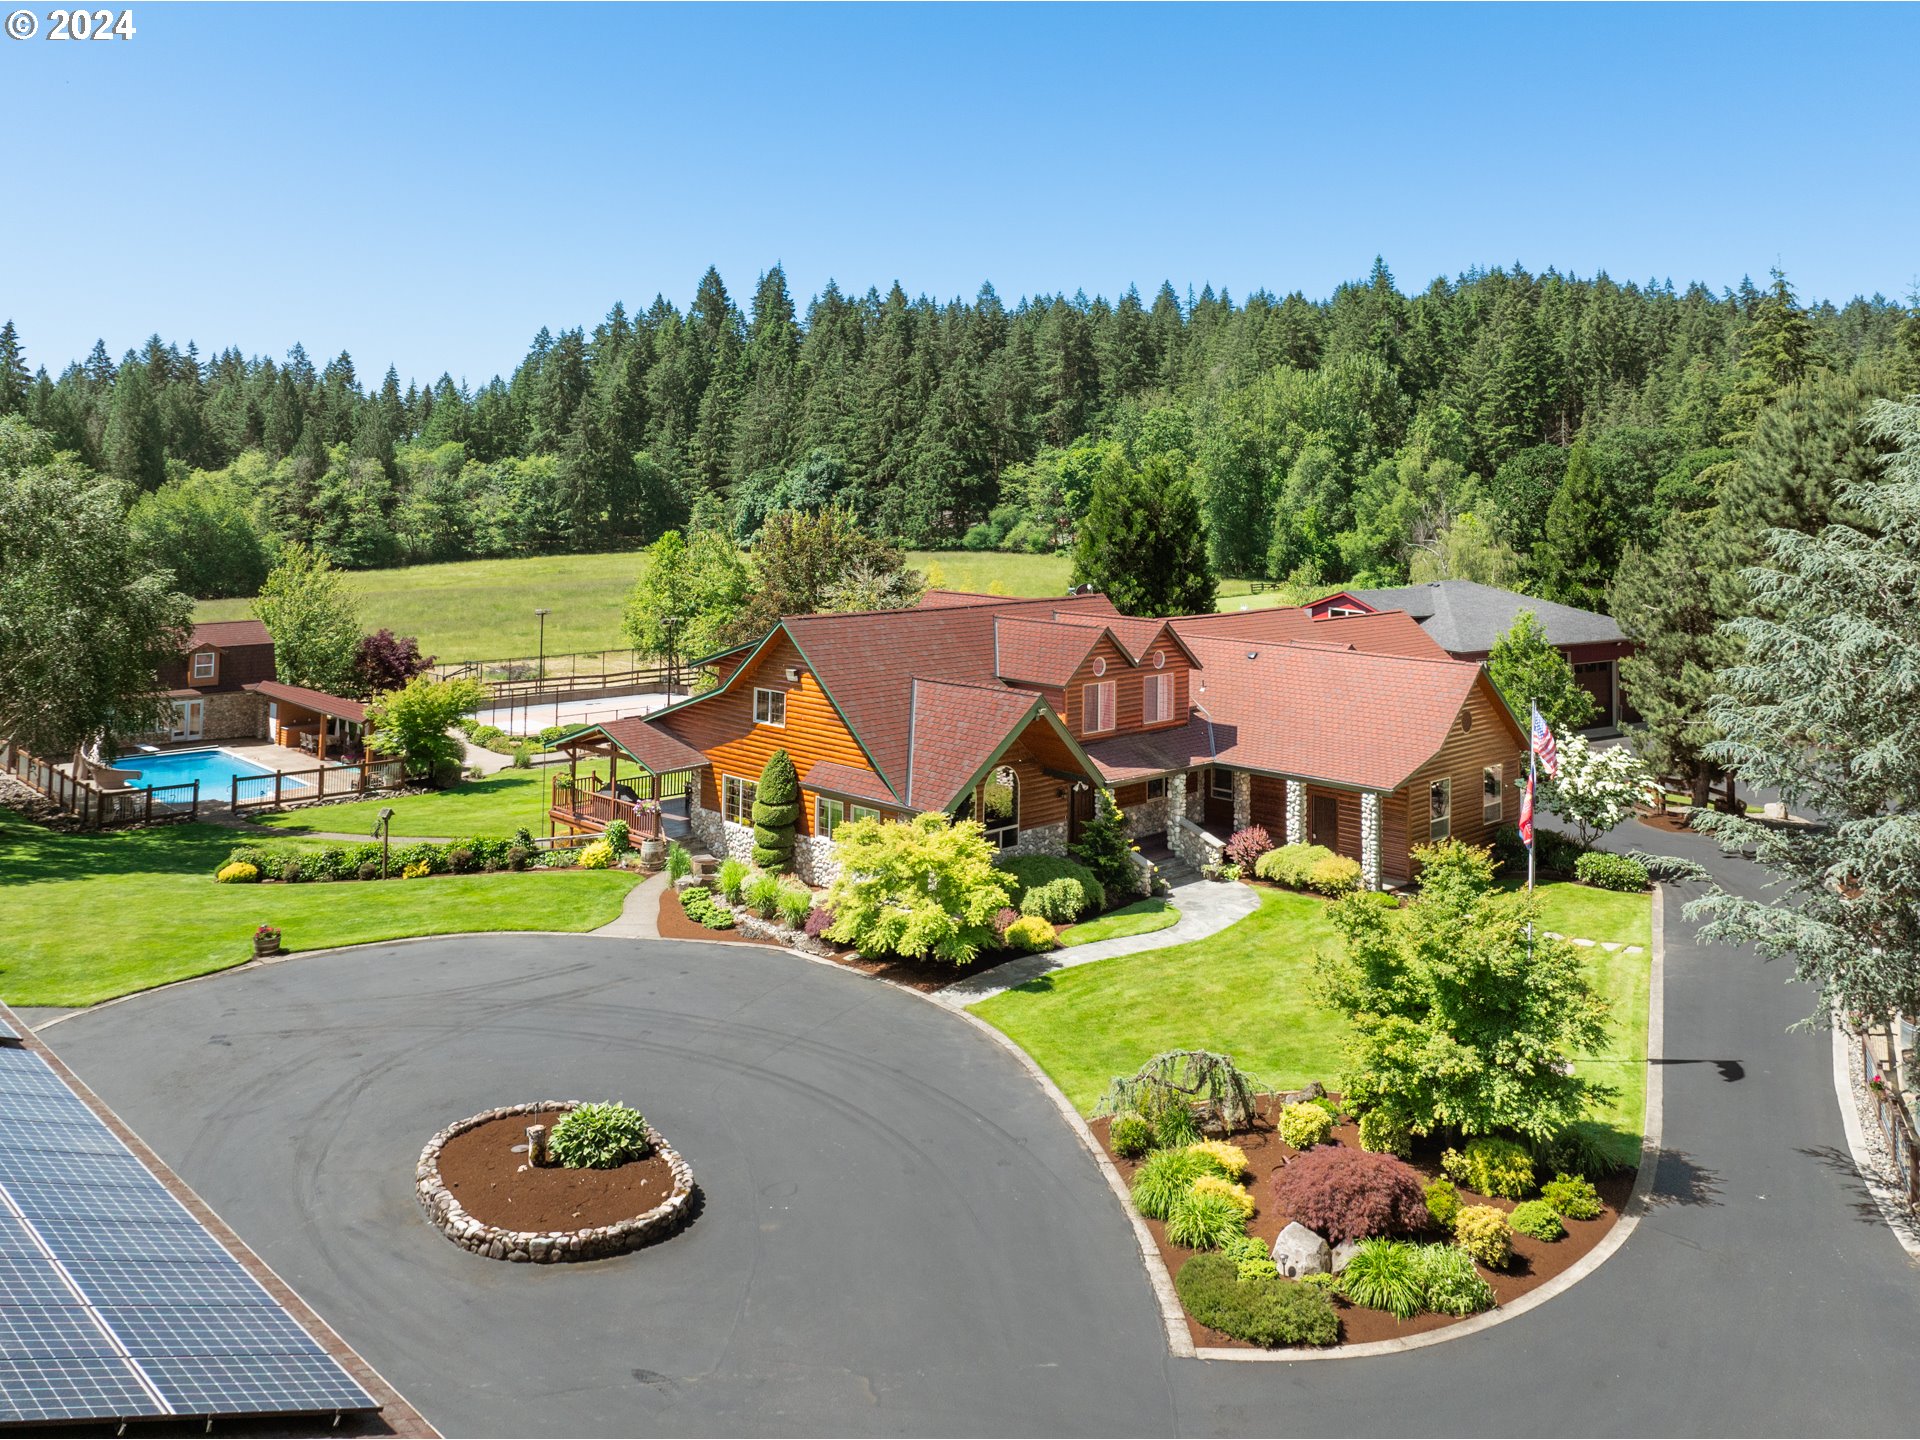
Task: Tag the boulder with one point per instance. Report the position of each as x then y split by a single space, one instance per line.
1314 1091
1342 1253
1300 1251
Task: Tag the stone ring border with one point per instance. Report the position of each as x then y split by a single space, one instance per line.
547 1247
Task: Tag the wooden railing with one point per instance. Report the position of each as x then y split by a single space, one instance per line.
541 680
97 808
292 787
1896 1127
588 800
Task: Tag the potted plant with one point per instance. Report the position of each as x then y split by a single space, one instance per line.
266 940
653 847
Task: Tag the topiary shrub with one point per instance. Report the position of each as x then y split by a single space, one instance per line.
1491 1167
796 903
762 894
1024 873
1304 1126
1031 933
1385 1275
1130 1135
1165 1176
732 878
1535 1218
1245 847
1231 1159
237 872
1483 1232
1571 1197
1384 1135
776 809
1205 1219
599 1137
1335 875
1061 901
1290 865
1443 1203
1610 872
679 862
1266 1311
1448 1282
1351 1194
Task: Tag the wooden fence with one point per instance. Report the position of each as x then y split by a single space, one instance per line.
322 782
96 808
534 679
1897 1127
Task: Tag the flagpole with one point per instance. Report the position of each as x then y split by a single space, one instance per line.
1533 829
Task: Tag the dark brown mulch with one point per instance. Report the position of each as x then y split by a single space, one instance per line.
1535 1261
497 1187
675 924
925 976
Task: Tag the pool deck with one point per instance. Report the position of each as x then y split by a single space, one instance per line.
263 753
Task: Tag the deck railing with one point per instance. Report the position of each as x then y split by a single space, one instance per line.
589 800
322 782
94 807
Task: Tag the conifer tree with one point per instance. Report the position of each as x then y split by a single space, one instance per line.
1575 560
14 376
776 808
1143 542
136 450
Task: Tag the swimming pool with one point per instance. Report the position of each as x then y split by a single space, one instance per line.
214 768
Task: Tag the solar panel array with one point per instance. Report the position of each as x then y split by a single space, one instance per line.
115 1302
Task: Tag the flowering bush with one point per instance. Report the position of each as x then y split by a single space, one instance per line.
1595 789
1245 847
268 935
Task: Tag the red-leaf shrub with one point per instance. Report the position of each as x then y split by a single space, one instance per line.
817 922
1248 845
1351 1194
1002 918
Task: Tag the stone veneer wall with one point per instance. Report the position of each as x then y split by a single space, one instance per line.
1242 800
1296 812
546 1247
1370 840
1149 817
226 715
1040 840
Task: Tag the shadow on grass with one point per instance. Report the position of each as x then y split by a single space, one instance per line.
32 853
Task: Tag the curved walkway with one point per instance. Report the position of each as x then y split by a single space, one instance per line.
902 1237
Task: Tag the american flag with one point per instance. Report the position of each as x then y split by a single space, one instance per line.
1543 745
1526 813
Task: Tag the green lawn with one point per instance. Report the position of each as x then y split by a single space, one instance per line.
1245 992
90 916
1143 917
1581 912
483 609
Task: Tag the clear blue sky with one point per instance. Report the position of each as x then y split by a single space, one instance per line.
429 185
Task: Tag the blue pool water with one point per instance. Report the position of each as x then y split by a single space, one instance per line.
213 768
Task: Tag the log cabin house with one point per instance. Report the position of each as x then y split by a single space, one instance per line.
1357 732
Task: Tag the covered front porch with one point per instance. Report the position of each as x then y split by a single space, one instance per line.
623 771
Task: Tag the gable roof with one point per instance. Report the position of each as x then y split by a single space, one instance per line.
1468 618
1038 650
337 706
958 730
227 633
1391 632
651 747
849 780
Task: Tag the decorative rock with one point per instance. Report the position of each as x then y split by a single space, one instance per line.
1314 1091
1342 1253
1300 1251
537 1145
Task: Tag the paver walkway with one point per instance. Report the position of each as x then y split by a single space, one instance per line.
1206 908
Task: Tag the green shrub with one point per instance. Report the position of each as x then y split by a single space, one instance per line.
1062 901
1290 865
703 909
1164 1177
1029 872
1174 1123
1131 1136
619 836
1610 872
1328 1104
599 1137
290 872
1491 1167
1483 1232
1449 1284
762 894
1267 1311
776 808
1234 1194
522 757
1245 1247
553 732
237 872
1304 1126
1584 1148
924 887
796 903
1535 1218
1204 1219
597 856
1231 1159
1382 1134
733 878
1385 1275
1260 1267
1324 1281
1571 1197
1336 875
420 852
679 862
1031 933
1443 1203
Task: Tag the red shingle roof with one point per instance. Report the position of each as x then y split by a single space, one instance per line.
1392 632
338 706
1039 650
226 633
848 780
652 747
956 727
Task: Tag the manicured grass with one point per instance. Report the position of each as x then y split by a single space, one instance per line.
993 573
1582 912
91 916
496 806
1143 917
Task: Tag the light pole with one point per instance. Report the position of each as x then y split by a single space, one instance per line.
541 674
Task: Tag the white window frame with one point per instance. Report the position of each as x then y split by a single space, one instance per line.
1157 700
212 663
776 702
736 799
1493 798
1440 821
1001 834
829 815
863 812
1098 710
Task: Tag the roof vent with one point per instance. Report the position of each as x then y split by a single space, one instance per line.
793 672
1253 654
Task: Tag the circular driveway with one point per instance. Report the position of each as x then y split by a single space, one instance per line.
901 1235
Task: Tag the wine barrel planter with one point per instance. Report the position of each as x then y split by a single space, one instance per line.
547 1247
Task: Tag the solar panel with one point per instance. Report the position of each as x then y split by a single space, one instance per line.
115 1302
7 1032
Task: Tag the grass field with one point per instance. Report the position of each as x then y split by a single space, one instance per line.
483 609
1143 917
497 806
91 916
1246 992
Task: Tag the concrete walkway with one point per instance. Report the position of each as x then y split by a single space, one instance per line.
639 917
1206 908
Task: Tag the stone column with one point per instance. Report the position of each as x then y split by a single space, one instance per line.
1370 840
1296 812
1242 800
1176 799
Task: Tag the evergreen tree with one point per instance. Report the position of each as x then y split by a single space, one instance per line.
1143 541
14 375
1576 557
136 450
776 808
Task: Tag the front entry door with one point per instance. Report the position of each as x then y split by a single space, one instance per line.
1323 822
189 719
1079 812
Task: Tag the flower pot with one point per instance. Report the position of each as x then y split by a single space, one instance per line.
266 945
653 856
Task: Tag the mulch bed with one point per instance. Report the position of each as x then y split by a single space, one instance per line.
926 976
1676 822
497 1187
1535 1261
675 924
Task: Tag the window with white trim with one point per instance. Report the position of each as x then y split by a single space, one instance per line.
1096 703
1440 807
736 799
1158 705
1493 795
1000 807
769 707
828 816
206 664
864 812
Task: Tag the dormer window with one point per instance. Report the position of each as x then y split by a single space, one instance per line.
1158 703
770 707
1096 702
206 665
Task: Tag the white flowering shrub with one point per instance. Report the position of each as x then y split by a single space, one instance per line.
1595 789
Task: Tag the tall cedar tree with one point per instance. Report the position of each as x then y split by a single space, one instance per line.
776 809
1576 558
1143 542
1824 706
